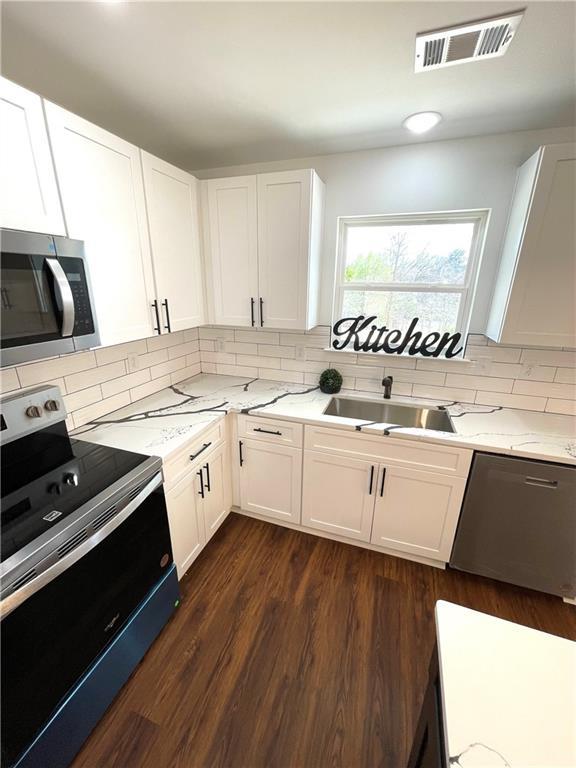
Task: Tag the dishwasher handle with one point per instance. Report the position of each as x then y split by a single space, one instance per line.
541 482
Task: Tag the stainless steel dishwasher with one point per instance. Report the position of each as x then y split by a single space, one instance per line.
518 524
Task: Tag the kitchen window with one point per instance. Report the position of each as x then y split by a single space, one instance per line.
420 265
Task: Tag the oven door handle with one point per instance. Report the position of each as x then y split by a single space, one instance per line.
61 282
16 599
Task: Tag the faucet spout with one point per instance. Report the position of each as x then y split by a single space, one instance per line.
387 384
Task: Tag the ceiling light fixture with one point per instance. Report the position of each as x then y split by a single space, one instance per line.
421 122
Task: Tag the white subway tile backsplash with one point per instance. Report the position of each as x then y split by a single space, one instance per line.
102 408
386 361
106 355
497 354
238 370
225 334
453 394
565 375
9 379
163 369
240 348
257 337
152 358
545 389
549 357
305 366
522 371
207 344
191 334
567 407
258 361
165 340
271 350
317 340
137 393
295 377
123 383
76 381
55 368
82 398
524 402
479 382
183 349
435 378
185 373
219 357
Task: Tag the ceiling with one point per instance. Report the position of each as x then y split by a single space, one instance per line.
205 84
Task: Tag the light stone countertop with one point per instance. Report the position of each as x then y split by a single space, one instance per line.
163 422
508 692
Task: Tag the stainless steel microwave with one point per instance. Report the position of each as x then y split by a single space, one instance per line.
46 301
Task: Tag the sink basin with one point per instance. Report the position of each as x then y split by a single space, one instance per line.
390 413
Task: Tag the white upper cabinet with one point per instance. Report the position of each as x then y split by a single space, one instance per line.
263 237
100 178
230 231
28 193
533 302
173 221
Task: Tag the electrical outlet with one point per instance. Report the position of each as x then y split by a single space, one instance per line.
133 362
300 353
220 345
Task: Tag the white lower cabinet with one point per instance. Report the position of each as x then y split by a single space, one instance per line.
186 525
271 479
217 500
337 495
417 512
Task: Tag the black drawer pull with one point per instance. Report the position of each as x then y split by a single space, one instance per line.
261 312
240 451
201 491
371 480
542 482
382 483
266 431
157 313
167 326
252 312
195 455
208 486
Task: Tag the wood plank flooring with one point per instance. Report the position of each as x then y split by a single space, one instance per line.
291 651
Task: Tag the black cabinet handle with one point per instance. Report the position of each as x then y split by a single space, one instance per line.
266 431
371 480
382 483
201 491
252 312
207 467
240 450
261 312
195 455
167 326
155 305
543 482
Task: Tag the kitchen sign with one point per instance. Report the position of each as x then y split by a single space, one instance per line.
364 336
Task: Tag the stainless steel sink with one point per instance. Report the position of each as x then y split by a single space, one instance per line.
390 413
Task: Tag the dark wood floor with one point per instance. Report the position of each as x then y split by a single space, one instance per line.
290 651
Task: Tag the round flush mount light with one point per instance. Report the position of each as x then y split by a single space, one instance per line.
422 121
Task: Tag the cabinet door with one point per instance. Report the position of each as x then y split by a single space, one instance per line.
186 525
283 247
218 492
28 194
230 216
271 480
173 221
100 179
338 495
417 511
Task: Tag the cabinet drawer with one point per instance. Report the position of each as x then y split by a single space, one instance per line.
272 431
408 453
177 466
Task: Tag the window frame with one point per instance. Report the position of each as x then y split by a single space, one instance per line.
479 217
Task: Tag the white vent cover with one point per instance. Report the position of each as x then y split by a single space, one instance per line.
467 42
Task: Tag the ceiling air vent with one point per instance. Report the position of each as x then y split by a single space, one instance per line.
466 42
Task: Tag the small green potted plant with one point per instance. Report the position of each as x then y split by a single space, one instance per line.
330 381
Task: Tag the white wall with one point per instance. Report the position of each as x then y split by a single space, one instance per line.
433 176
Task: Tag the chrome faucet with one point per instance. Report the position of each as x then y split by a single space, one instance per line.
387 384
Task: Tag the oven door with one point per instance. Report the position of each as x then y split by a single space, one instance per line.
54 636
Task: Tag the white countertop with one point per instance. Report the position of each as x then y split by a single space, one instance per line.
159 424
508 692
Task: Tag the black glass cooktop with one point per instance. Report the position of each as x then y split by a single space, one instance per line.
46 476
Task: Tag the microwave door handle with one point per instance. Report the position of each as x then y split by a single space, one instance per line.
61 281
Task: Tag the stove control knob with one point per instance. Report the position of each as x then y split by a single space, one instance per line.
52 405
33 412
55 489
70 478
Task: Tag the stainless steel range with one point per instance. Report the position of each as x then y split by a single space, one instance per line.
88 579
